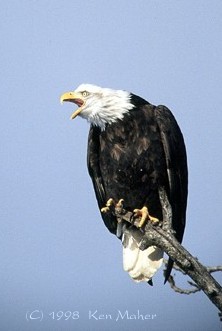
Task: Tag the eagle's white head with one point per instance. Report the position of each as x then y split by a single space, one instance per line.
100 106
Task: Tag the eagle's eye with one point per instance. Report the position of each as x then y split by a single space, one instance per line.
85 93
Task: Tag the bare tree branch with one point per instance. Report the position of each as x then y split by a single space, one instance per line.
180 290
214 269
161 235
194 287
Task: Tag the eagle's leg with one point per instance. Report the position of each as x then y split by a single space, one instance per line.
145 216
111 203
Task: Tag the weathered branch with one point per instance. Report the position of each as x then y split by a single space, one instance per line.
194 288
180 290
161 235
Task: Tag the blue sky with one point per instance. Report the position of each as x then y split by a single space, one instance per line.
56 254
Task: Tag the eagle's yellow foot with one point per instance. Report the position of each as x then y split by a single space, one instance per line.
145 216
111 203
119 204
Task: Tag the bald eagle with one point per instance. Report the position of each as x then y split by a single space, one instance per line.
134 148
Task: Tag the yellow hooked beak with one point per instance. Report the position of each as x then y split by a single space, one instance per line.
75 98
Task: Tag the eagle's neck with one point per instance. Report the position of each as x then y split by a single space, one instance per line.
111 107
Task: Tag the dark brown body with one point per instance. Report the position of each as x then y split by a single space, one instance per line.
131 158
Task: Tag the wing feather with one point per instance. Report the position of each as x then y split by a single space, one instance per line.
95 174
176 160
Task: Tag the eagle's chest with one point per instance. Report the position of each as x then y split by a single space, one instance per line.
132 159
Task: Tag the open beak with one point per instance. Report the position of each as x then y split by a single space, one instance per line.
75 98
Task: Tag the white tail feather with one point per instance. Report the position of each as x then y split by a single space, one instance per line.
141 265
